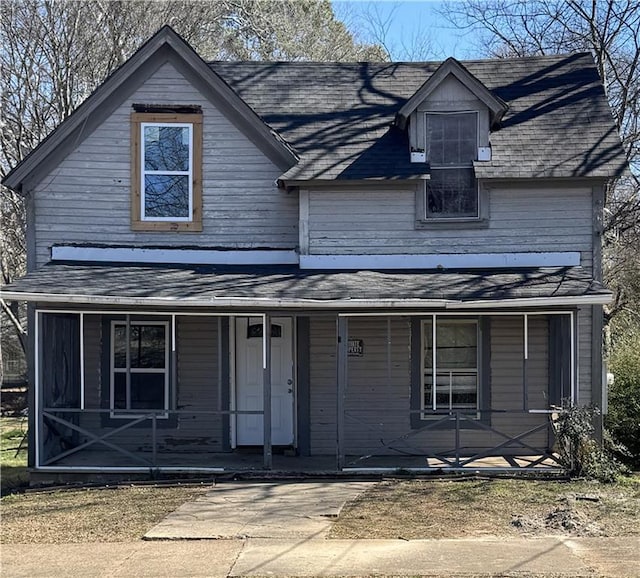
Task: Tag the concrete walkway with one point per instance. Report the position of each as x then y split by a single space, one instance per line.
260 510
557 557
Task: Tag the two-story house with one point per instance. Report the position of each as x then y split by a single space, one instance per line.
400 261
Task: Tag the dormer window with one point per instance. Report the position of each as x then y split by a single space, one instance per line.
451 146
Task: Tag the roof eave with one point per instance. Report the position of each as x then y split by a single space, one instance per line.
328 304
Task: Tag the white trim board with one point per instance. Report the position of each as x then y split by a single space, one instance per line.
174 255
441 261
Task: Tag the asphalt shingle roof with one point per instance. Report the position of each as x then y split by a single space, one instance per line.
289 283
339 116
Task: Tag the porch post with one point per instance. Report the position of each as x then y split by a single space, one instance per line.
525 363
266 387
598 377
173 385
343 337
127 339
572 329
81 360
38 388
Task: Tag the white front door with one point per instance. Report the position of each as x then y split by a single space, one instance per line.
249 374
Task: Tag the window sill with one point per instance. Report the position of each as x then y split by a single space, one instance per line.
166 226
442 224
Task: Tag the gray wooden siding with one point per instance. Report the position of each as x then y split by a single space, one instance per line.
584 356
322 385
87 197
378 393
346 221
379 384
198 386
507 370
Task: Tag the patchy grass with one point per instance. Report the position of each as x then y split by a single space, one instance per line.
13 463
112 514
455 509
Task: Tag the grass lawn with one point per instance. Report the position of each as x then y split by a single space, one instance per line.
13 464
112 514
405 509
412 509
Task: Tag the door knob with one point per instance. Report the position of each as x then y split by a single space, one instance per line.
289 381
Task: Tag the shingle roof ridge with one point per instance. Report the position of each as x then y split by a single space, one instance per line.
327 63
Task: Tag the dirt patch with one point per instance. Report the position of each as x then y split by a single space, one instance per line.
562 519
455 509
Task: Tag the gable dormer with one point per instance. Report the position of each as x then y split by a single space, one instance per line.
451 89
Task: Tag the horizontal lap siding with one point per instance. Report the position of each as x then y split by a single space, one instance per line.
507 352
86 199
322 393
521 220
378 391
377 400
377 405
584 356
198 387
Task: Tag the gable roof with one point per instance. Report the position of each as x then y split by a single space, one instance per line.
326 121
165 45
339 117
452 67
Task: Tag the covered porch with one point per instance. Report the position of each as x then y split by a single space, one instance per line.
148 384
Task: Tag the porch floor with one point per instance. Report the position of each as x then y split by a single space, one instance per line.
232 462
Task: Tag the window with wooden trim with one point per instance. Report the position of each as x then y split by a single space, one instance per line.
452 146
139 366
450 375
166 171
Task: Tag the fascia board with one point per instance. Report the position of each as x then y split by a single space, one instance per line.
348 304
223 302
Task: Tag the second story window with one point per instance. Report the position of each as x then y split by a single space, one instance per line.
451 146
166 172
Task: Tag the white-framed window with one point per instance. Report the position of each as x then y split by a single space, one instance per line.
450 379
452 145
139 366
166 163
166 171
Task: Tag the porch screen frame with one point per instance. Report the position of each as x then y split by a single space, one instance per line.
107 315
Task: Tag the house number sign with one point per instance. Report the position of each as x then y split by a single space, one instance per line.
355 347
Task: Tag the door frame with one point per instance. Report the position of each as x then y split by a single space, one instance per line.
233 380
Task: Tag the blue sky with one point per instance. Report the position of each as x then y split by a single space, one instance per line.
414 29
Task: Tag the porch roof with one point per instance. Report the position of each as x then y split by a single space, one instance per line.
245 287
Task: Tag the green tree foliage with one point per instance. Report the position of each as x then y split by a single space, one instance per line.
623 419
